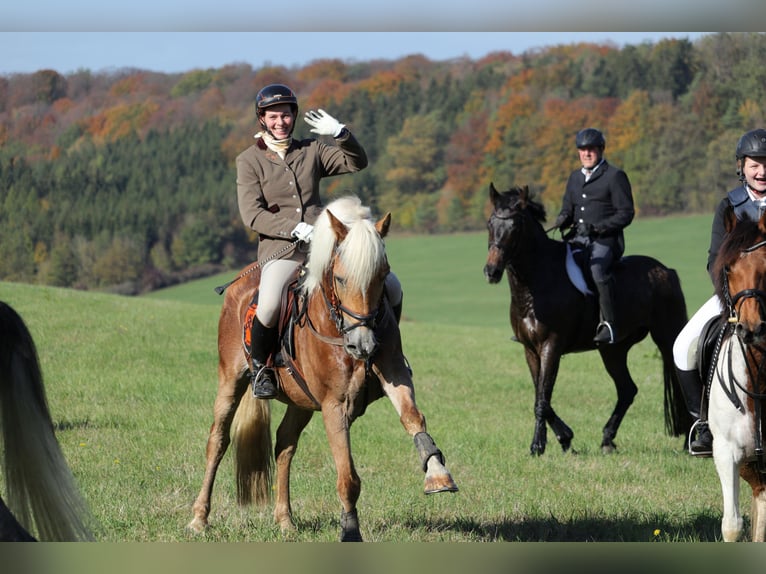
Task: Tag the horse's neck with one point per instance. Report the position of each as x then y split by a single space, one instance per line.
534 251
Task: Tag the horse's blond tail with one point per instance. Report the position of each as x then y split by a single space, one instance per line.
41 490
253 453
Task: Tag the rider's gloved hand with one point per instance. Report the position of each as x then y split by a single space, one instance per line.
560 221
303 232
584 229
323 123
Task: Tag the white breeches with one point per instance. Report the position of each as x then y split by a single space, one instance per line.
276 274
685 346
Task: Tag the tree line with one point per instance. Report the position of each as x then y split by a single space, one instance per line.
125 180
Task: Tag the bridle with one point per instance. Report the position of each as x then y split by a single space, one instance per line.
338 311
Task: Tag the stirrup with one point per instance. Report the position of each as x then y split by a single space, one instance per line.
705 451
600 330
263 382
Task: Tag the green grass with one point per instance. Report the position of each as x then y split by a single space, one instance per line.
131 383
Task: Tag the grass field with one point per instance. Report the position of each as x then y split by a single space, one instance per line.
131 382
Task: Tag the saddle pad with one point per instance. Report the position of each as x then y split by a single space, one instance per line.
575 273
247 324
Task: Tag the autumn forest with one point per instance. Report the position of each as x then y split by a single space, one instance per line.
124 180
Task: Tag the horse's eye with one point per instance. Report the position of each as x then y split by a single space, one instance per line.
340 280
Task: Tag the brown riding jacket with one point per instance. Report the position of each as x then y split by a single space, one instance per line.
274 195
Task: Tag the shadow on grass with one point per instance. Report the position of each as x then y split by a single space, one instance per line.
702 528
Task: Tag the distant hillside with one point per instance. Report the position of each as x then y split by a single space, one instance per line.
124 180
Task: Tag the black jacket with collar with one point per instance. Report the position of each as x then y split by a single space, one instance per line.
605 201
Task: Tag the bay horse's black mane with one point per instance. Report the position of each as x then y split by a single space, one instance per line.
534 207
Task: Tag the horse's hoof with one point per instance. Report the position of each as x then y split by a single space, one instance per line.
198 525
537 450
608 448
439 484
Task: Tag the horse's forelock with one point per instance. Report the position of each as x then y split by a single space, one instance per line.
361 251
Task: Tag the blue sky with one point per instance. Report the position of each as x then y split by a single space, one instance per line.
66 52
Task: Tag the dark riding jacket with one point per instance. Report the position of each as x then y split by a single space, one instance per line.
605 202
743 206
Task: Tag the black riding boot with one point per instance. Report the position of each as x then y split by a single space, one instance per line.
691 386
262 342
606 331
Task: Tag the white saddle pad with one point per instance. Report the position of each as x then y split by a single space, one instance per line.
575 274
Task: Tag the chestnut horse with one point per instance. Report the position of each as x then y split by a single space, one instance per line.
42 494
550 317
340 351
737 383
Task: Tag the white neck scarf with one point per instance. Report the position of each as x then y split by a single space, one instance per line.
279 147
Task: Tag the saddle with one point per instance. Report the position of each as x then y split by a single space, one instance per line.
290 312
578 269
708 347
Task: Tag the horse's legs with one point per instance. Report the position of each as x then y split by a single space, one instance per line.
728 474
544 368
615 358
288 432
348 484
758 503
229 393
402 397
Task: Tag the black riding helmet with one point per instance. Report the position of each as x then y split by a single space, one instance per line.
589 137
275 94
751 144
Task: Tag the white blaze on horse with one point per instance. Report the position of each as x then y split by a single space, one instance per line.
737 384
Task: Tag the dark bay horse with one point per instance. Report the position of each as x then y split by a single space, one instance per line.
343 350
737 387
550 317
41 491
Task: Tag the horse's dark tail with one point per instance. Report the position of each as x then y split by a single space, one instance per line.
41 490
667 323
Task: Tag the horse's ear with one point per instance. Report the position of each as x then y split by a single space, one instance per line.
337 226
383 224
493 194
524 195
729 219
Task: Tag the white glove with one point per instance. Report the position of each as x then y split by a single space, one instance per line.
324 124
303 232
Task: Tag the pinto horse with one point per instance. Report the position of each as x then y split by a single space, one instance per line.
42 494
550 317
737 382
340 351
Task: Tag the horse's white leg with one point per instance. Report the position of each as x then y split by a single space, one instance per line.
402 396
731 522
758 516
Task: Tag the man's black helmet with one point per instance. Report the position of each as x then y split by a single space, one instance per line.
590 137
274 94
752 144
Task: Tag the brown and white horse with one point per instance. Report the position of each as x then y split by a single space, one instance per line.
737 388
342 350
